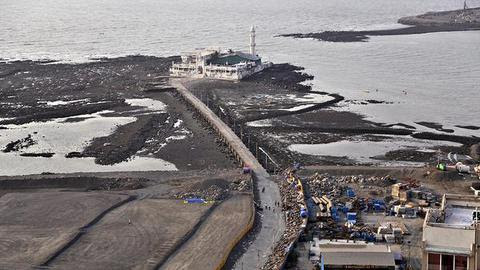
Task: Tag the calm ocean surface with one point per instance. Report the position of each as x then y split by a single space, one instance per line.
440 71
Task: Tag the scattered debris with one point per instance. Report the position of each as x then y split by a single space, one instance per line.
215 189
122 184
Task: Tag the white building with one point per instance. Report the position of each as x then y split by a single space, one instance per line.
344 254
451 234
220 64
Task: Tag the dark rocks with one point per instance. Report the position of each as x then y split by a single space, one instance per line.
435 126
285 76
332 36
465 127
126 141
74 155
456 20
466 18
19 144
45 155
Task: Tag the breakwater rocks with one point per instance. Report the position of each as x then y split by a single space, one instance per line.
445 21
467 18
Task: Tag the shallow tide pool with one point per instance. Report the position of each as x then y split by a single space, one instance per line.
61 137
363 151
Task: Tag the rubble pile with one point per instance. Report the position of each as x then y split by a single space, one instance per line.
241 185
335 186
123 184
212 193
215 189
337 203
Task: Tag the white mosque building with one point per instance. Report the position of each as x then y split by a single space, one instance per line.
220 64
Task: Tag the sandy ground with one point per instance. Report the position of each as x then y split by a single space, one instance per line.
34 225
209 245
137 235
76 220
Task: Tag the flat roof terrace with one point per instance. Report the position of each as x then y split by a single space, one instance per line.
450 229
459 210
459 215
359 253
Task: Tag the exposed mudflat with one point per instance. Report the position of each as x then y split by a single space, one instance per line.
115 115
446 21
108 115
289 121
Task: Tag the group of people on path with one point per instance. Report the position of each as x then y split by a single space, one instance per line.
277 204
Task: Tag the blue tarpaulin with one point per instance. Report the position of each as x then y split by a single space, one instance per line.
335 216
352 217
195 200
303 213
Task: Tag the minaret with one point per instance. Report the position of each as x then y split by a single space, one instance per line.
252 40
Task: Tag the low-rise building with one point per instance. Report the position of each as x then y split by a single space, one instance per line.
345 254
450 234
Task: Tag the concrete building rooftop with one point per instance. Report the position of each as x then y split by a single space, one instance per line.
451 229
359 258
456 211
459 215
359 253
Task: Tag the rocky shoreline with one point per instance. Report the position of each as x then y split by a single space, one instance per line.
275 108
431 22
259 110
80 95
